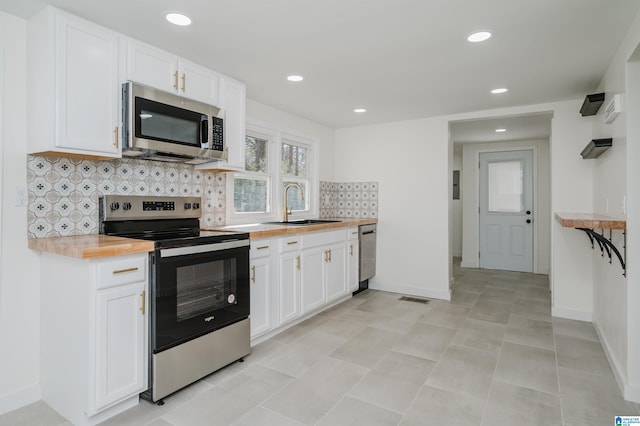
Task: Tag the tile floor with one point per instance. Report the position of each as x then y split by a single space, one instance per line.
491 356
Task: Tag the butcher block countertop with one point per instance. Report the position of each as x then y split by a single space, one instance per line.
263 230
97 246
90 246
590 221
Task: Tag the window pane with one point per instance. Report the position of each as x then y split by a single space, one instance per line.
294 200
250 195
255 154
294 160
505 182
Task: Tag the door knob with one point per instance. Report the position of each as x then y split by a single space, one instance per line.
528 211
528 220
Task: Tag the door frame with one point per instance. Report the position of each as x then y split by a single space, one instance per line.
534 195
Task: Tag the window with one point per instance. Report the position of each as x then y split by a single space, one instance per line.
273 161
251 189
505 186
293 169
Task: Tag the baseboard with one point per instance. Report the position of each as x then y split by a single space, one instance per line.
412 291
630 392
571 314
464 264
20 399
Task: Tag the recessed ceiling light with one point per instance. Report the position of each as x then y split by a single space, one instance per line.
359 110
501 130
295 78
178 19
479 36
500 90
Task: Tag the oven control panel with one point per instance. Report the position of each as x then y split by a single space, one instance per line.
158 205
136 207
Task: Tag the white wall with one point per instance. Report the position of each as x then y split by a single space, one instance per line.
541 200
19 282
616 176
456 211
410 160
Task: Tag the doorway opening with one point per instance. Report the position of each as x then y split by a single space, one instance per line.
473 139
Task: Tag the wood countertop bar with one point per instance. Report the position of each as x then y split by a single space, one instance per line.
590 221
90 246
266 230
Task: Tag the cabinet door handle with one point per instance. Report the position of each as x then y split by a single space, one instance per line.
253 274
142 302
298 262
291 242
175 80
122 271
262 248
329 255
351 250
115 137
184 82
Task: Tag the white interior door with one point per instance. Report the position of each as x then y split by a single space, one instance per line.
506 210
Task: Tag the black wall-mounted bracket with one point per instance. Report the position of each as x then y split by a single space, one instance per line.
607 245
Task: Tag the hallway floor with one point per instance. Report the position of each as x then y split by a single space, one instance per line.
492 356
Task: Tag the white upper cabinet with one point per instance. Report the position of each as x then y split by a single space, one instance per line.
72 86
233 101
162 70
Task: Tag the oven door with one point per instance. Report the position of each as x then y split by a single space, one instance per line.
197 289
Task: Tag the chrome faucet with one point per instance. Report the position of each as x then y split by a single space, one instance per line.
287 212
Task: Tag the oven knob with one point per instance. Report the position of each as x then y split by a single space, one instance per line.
126 205
187 206
196 205
114 206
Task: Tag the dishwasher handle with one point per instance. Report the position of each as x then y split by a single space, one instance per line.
369 232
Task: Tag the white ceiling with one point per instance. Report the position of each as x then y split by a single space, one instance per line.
400 59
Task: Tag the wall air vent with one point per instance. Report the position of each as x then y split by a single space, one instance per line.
595 148
612 109
592 104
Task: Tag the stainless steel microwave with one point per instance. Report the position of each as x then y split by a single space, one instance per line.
161 126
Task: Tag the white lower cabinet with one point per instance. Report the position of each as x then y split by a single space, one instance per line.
312 288
294 276
289 266
336 271
94 335
261 286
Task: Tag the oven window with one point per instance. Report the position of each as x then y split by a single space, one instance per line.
205 287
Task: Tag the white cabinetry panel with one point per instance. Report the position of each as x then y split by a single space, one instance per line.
162 70
120 337
73 86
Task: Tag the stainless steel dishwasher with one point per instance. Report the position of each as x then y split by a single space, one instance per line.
367 240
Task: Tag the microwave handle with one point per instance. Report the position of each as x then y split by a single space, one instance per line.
205 132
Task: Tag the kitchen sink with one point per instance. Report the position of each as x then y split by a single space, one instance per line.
303 222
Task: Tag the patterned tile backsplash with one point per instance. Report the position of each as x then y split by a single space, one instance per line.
349 199
63 192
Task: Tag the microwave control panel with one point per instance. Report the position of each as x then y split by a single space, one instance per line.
217 143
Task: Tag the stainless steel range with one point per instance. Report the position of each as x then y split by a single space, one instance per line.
199 317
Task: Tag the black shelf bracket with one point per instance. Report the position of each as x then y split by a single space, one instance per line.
606 245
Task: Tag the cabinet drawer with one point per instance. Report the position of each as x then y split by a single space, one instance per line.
128 270
323 238
290 243
260 248
352 234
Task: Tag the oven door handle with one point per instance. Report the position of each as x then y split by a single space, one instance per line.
204 248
